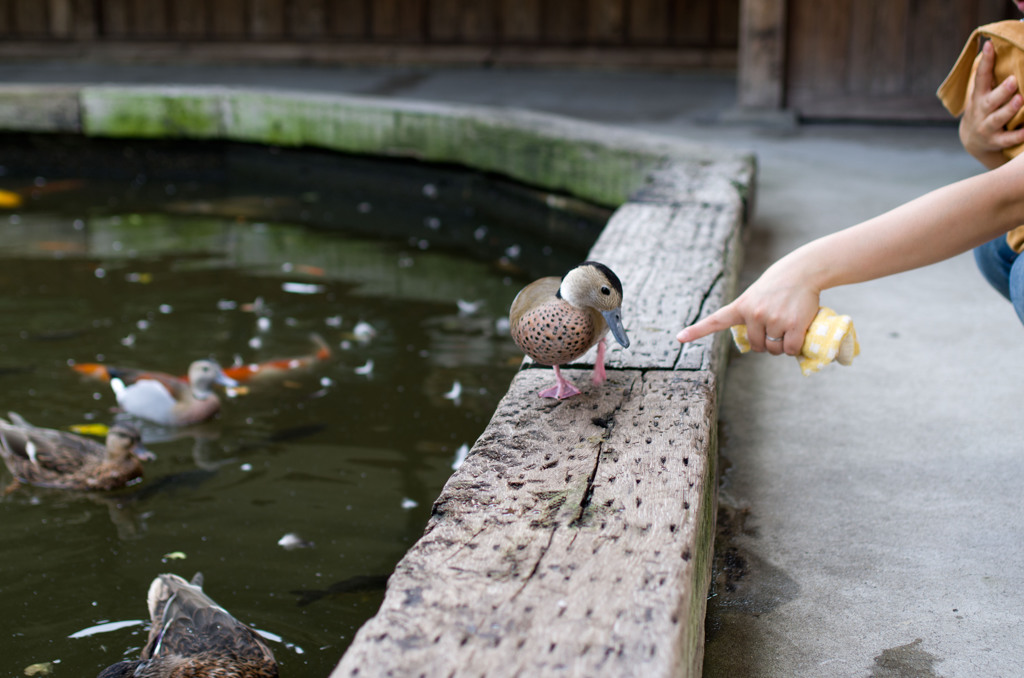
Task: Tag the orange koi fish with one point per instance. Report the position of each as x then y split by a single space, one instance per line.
240 373
280 366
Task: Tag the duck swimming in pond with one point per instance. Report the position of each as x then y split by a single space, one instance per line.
191 635
243 373
556 321
170 401
50 458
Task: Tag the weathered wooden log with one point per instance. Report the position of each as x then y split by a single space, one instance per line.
565 544
576 539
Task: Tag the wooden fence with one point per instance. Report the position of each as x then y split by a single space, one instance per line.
855 59
636 24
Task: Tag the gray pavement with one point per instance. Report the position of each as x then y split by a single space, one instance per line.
875 510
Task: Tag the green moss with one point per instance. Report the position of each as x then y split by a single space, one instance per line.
525 147
147 113
480 141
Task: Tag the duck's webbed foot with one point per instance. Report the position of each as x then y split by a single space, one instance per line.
562 390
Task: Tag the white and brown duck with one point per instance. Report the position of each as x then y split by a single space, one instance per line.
168 400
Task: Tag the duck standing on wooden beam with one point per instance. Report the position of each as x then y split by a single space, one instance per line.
556 321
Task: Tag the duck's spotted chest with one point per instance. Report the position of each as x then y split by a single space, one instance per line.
556 332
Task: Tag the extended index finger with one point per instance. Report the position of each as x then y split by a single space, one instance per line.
722 319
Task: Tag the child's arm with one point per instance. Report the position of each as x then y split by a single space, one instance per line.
936 226
987 110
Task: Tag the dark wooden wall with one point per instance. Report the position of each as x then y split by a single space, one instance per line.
878 58
632 24
856 59
822 59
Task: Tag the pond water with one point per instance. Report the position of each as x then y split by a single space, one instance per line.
153 256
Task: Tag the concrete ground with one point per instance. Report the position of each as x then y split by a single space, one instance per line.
873 516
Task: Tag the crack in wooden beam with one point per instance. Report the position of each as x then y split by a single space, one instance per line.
536 564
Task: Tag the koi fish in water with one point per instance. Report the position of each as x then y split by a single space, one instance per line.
241 373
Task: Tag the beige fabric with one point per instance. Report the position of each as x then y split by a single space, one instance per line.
1008 40
1015 239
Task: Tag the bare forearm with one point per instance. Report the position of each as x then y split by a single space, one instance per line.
934 227
953 219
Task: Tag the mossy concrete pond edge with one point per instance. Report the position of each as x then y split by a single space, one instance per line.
577 537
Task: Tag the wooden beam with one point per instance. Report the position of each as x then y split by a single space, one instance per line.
114 19
726 24
995 10
605 22
61 16
150 19
562 23
461 21
520 21
266 19
228 19
878 51
649 22
398 20
762 49
574 541
84 20
188 19
307 19
348 19
692 22
576 538
30 18
268 51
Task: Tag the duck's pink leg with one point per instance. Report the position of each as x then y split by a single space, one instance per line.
562 390
599 375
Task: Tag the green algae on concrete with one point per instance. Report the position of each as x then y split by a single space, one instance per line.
541 150
147 113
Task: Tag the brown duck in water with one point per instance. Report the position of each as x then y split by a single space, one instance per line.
49 458
193 637
556 321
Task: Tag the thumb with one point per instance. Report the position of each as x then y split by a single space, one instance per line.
984 78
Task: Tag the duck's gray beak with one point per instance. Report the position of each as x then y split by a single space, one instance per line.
225 380
614 320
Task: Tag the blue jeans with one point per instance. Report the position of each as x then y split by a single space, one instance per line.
1004 270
